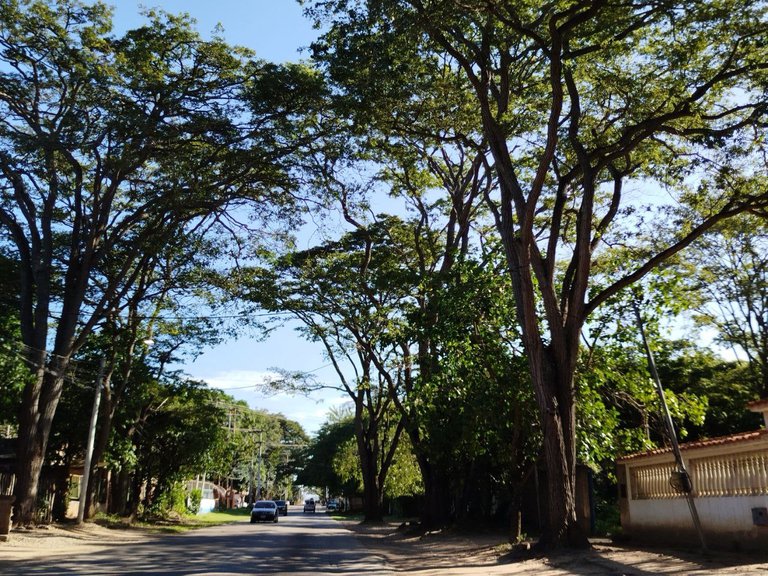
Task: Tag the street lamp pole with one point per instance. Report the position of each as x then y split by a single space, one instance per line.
89 446
258 466
681 480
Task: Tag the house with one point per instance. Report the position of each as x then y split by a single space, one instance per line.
730 491
102 478
213 496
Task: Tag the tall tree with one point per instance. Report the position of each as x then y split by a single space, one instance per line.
179 422
472 419
578 101
165 315
348 297
319 455
108 145
731 274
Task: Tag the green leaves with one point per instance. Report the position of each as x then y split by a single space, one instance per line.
731 274
113 152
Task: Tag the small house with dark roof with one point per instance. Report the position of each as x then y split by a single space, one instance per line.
730 491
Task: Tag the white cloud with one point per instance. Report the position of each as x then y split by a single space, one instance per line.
248 385
239 379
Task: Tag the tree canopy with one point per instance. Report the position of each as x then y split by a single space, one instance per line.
110 148
500 184
579 102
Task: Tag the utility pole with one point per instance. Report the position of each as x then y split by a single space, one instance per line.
681 480
258 466
257 495
89 447
250 482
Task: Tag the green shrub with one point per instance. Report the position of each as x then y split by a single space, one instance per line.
193 501
171 502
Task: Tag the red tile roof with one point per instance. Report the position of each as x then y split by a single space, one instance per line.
732 439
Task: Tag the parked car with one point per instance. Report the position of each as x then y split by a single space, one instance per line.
264 510
309 505
282 507
332 505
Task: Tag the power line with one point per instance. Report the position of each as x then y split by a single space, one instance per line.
214 316
261 383
18 349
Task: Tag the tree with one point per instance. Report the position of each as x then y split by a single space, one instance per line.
439 177
690 373
618 406
108 147
319 455
578 101
471 418
179 422
403 478
730 271
348 296
157 324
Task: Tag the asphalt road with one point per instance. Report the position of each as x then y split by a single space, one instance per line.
299 544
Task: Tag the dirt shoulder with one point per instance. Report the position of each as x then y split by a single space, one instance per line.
433 554
461 553
57 539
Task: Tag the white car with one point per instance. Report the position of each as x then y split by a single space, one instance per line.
264 510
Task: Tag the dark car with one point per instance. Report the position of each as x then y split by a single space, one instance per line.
309 505
264 510
282 507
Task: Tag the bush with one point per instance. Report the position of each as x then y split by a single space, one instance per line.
193 501
170 502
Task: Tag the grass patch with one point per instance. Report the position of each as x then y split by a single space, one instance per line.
223 516
176 524
343 517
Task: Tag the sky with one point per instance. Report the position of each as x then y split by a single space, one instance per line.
276 30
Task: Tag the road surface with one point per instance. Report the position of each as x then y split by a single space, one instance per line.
299 544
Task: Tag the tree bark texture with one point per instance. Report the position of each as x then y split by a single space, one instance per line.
35 419
372 492
437 509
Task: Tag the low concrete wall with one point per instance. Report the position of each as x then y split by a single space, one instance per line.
730 489
727 522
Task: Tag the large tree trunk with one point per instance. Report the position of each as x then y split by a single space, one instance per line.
38 408
556 397
561 528
552 366
372 492
372 498
119 493
436 511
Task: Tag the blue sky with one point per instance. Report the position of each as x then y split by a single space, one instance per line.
277 31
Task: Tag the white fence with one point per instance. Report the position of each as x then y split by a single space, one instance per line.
743 474
730 489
